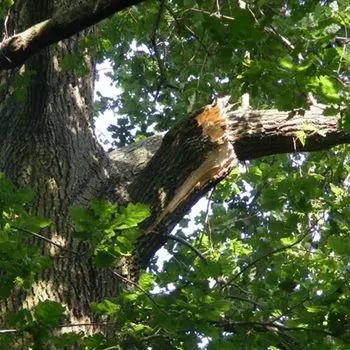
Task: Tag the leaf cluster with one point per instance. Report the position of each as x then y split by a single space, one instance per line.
111 233
169 58
19 260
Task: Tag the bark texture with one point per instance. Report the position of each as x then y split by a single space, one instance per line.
60 24
162 167
47 142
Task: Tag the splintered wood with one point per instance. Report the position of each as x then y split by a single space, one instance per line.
214 125
213 122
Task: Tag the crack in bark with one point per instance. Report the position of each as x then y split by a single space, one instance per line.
189 162
253 134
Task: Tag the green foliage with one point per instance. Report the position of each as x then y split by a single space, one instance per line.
277 248
38 323
277 272
196 51
19 262
49 314
278 265
276 237
21 83
110 233
106 307
4 6
74 62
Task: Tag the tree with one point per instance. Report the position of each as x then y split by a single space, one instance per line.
169 57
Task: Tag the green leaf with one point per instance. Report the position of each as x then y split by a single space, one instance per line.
104 259
103 209
129 297
93 342
286 241
131 215
301 136
288 285
344 121
256 171
285 63
340 245
74 62
83 221
105 308
338 191
20 319
66 340
36 223
49 313
146 281
337 323
327 86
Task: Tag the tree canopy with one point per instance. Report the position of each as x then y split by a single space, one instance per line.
268 265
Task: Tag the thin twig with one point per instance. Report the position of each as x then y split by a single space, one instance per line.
211 14
343 50
230 326
4 331
153 336
291 308
217 12
275 251
91 324
181 263
183 241
173 14
253 15
37 235
207 218
284 40
236 297
6 33
153 40
137 286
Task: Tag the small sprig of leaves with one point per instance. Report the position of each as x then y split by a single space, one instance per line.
110 232
19 261
38 323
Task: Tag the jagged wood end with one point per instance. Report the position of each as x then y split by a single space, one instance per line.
200 151
213 123
193 156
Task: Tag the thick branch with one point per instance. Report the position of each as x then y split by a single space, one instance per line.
257 134
64 23
253 134
201 150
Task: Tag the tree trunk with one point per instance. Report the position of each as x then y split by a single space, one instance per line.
47 142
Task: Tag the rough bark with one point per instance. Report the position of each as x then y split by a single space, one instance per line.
161 168
62 24
47 142
254 134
